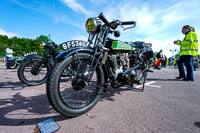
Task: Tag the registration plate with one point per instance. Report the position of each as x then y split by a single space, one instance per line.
73 44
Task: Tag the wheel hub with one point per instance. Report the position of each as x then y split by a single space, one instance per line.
35 71
78 84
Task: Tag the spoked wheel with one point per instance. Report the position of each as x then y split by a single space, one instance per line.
141 72
33 72
70 90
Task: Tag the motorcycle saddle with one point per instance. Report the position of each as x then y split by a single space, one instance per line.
137 44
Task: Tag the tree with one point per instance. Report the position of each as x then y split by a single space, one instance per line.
21 45
43 38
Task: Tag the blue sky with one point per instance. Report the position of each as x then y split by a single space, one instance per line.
158 22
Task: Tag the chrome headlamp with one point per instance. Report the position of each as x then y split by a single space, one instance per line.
92 25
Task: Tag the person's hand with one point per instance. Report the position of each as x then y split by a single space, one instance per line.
175 42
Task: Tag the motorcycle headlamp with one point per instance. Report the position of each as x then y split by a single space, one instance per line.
42 44
92 25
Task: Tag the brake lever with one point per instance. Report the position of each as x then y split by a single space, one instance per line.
127 27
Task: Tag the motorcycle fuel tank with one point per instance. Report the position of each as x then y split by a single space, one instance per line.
118 45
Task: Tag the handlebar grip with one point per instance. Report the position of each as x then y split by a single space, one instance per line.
103 18
129 23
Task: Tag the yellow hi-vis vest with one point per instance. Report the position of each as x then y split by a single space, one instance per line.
189 46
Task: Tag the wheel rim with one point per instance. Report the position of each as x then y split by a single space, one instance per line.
35 71
75 92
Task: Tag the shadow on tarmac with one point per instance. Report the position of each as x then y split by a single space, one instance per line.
20 110
109 93
160 79
34 110
11 84
197 124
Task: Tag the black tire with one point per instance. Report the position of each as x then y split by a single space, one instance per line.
194 67
27 63
14 66
54 87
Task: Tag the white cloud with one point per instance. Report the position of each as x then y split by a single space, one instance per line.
76 6
9 34
160 26
63 19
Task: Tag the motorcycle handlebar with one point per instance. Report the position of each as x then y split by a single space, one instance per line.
103 18
129 23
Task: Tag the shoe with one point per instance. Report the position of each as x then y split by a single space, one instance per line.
157 67
185 79
180 78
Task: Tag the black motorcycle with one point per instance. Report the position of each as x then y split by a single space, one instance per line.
34 69
80 75
195 62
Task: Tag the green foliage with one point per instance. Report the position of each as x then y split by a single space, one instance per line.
43 38
21 45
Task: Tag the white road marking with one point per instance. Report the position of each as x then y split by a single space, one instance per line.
148 84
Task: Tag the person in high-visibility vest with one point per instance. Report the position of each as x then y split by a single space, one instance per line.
188 49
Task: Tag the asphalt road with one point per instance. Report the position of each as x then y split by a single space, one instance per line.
166 106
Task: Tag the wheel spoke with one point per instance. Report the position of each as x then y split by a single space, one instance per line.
74 92
34 73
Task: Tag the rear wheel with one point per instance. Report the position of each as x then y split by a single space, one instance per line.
33 72
68 89
142 71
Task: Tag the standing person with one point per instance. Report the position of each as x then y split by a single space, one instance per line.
164 61
188 49
9 56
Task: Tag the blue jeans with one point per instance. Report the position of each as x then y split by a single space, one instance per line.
8 62
187 60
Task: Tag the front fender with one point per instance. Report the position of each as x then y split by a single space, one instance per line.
65 54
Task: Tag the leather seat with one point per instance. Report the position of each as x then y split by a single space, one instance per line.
137 44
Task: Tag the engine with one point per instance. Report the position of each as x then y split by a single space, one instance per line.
119 64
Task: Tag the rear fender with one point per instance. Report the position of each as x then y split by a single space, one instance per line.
32 57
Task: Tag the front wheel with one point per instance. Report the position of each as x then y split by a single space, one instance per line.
69 89
33 72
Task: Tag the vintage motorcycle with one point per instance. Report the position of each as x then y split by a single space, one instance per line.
195 62
35 68
80 75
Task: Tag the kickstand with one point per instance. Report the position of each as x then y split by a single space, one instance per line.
143 83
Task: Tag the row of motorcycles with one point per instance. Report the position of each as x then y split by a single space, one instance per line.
77 75
195 62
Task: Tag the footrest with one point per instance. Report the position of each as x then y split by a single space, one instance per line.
149 71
